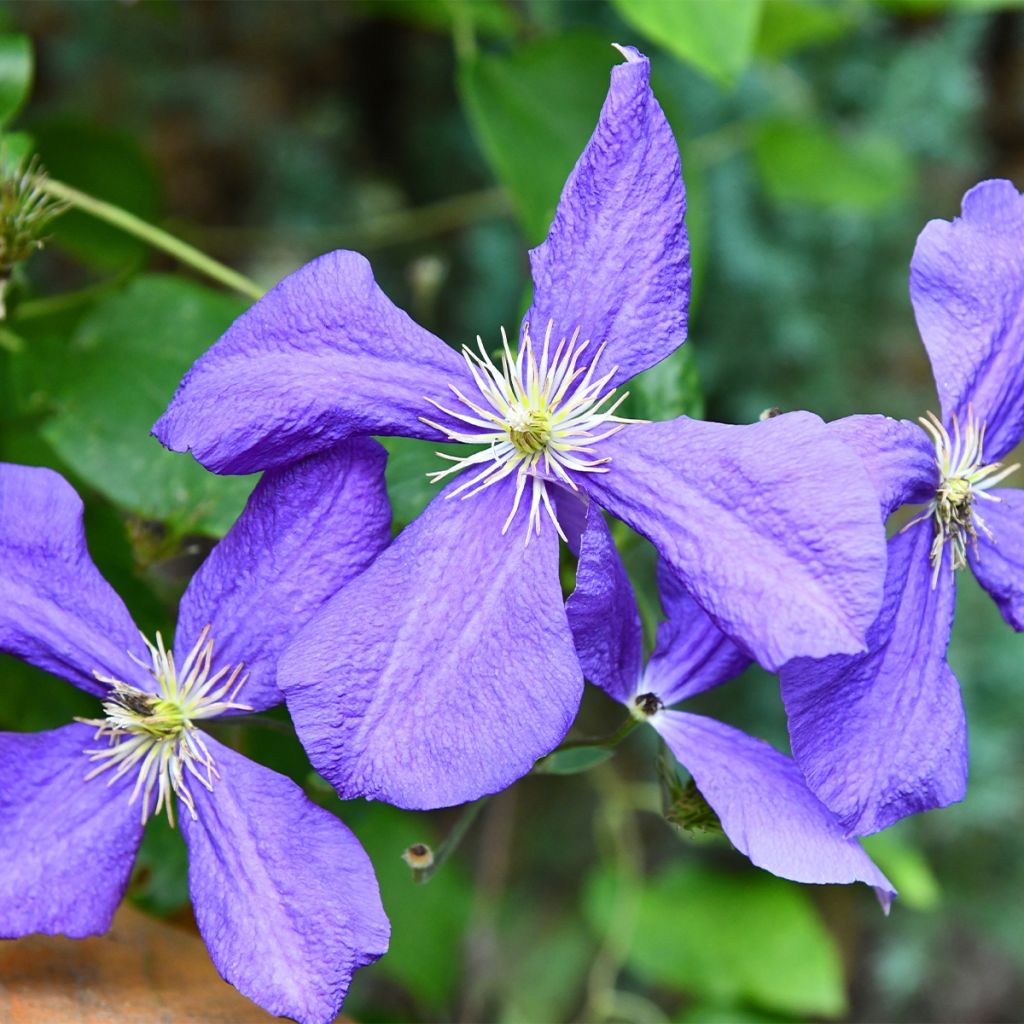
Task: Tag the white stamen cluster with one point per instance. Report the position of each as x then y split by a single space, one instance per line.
538 417
963 476
154 734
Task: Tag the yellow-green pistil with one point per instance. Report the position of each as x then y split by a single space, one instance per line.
963 478
538 416
155 734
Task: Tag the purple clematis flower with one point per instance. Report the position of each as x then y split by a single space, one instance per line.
759 795
882 735
448 668
283 893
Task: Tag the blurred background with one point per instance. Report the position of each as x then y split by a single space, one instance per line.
817 140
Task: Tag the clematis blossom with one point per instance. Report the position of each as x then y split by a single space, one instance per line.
448 668
758 794
882 734
283 893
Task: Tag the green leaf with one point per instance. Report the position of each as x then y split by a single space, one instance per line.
806 162
16 69
533 111
573 760
715 36
109 166
668 389
906 867
790 25
116 378
729 939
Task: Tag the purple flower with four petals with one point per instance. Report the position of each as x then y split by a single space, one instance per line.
758 794
283 893
448 668
882 735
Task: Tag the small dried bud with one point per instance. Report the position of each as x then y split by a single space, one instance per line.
770 414
687 809
419 857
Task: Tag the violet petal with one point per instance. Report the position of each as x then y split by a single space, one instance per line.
616 262
56 611
283 893
999 563
322 357
603 613
307 530
775 515
882 735
764 805
67 845
967 286
447 668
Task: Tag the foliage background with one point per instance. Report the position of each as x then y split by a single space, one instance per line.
817 139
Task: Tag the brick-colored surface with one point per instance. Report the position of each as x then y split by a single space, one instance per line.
142 971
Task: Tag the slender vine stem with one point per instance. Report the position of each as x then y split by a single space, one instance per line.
154 236
451 842
613 739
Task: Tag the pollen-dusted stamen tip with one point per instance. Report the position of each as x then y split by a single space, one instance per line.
963 477
645 705
538 416
419 857
154 735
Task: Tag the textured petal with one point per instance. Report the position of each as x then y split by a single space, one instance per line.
897 454
616 262
764 805
306 531
999 563
322 357
446 669
283 893
691 654
56 610
603 614
67 845
967 285
882 735
772 527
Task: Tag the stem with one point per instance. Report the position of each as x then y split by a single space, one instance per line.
153 236
613 739
451 841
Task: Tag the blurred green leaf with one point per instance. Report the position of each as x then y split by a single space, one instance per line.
715 36
409 462
668 389
488 17
116 378
906 867
428 922
543 981
729 939
547 93
17 148
110 166
160 879
573 760
788 25
16 69
806 162
32 700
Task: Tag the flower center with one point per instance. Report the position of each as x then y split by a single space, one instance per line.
539 416
963 477
155 735
645 705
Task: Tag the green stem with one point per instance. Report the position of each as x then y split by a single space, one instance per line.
451 842
613 739
153 236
